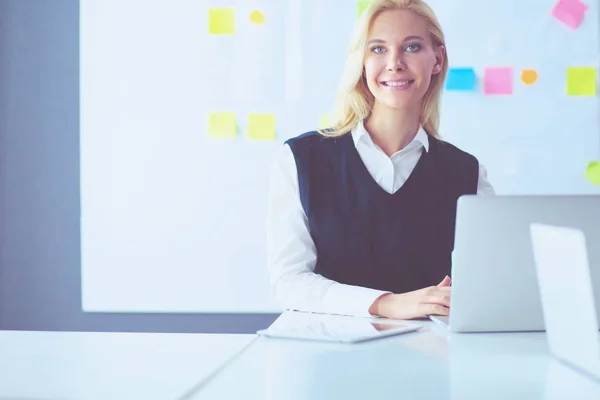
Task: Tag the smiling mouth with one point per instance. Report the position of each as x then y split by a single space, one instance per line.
398 83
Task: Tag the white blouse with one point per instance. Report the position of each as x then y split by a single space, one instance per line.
291 253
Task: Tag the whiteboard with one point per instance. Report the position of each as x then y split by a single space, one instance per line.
173 220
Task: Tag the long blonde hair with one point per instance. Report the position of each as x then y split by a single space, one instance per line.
354 101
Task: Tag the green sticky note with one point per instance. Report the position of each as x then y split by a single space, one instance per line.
261 127
593 172
362 6
581 81
221 21
222 125
324 122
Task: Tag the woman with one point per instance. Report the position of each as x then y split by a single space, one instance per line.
361 216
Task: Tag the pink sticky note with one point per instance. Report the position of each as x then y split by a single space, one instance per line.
498 80
569 12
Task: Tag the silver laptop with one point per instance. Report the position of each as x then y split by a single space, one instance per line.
494 283
567 295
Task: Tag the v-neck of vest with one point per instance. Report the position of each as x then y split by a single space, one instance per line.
366 175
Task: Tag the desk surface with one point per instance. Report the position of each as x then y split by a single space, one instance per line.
429 364
90 366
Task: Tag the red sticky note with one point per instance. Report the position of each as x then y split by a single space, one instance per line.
498 81
569 12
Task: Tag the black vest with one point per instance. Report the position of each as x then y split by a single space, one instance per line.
367 237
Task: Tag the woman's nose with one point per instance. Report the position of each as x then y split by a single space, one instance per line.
396 62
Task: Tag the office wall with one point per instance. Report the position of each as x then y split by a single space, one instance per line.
181 202
40 274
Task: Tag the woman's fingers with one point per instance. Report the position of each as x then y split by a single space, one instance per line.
436 309
442 299
445 282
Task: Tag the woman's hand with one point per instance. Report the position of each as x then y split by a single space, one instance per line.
415 304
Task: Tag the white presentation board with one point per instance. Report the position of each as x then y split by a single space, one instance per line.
174 209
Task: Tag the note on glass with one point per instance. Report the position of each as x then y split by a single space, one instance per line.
569 12
324 122
529 76
222 125
581 81
498 81
362 6
257 17
221 21
593 172
261 127
462 79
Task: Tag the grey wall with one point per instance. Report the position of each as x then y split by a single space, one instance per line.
40 274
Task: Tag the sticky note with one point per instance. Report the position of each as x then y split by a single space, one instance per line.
569 12
498 81
221 21
529 76
362 6
261 127
593 172
581 81
222 125
324 122
256 17
462 79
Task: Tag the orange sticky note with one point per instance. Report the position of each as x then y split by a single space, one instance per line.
222 125
261 127
221 21
529 76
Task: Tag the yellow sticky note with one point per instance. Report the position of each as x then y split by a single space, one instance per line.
222 125
257 17
581 81
324 122
221 21
261 127
362 6
593 172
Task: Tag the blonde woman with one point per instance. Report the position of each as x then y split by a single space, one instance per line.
361 216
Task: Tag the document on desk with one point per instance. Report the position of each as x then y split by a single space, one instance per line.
334 328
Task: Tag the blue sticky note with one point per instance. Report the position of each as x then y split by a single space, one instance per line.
462 79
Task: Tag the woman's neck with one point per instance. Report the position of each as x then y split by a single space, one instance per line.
392 129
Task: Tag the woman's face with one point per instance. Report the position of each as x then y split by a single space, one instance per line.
400 59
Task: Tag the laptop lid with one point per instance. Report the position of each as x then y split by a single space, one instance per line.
494 282
566 293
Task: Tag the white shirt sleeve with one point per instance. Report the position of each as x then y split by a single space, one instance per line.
292 256
484 187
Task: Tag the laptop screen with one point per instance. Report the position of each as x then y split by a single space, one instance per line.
566 292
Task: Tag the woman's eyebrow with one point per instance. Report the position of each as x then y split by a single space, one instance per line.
406 39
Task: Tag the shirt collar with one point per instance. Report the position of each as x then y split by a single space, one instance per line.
359 132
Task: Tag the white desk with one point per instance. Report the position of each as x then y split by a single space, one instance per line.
102 366
429 364
423 365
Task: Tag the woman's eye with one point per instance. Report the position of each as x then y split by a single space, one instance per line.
412 48
378 49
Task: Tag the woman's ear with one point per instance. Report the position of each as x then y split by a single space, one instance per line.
439 59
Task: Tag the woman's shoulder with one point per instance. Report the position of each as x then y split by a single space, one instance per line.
446 148
328 135
306 136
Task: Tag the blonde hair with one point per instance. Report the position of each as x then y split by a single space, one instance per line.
354 101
